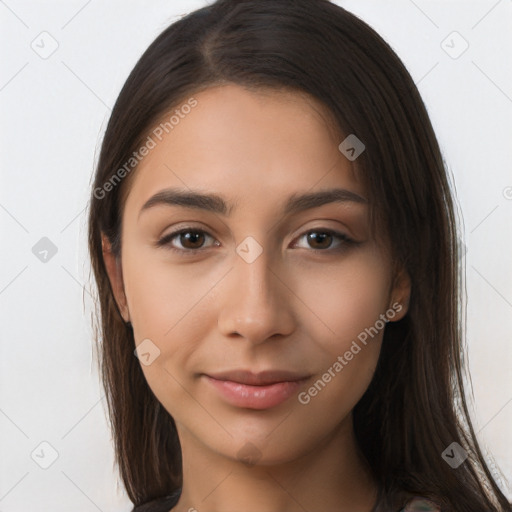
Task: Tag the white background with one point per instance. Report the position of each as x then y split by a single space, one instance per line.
53 113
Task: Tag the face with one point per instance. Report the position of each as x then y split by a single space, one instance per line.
253 280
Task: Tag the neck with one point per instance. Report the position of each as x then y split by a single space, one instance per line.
333 475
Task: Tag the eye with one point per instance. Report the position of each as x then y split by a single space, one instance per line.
192 240
322 239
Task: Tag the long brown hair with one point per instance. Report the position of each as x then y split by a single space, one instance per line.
415 406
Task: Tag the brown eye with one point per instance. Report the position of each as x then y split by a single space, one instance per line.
192 239
319 240
326 240
185 240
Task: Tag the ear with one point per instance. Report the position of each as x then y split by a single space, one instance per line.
115 275
400 295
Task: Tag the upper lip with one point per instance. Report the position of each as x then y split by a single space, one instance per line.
258 379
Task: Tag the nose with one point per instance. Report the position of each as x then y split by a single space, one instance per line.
256 302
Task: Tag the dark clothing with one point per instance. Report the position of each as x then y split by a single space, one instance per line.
161 504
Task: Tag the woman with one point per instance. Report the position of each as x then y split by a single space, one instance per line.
273 238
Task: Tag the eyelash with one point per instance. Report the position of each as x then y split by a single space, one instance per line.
166 240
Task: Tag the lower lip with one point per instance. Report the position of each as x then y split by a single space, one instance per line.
255 397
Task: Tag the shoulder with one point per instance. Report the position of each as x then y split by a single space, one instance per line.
418 504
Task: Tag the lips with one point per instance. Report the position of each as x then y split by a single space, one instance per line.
259 379
241 388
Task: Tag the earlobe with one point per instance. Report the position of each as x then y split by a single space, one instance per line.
115 275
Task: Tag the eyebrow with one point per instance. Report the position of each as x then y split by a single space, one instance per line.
217 204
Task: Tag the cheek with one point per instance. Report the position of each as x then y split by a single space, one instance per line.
347 300
347 329
164 297
350 304
171 306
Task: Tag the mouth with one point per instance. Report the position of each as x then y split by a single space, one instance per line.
263 390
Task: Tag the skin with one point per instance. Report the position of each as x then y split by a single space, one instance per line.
292 308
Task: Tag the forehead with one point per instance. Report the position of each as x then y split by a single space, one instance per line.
252 145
